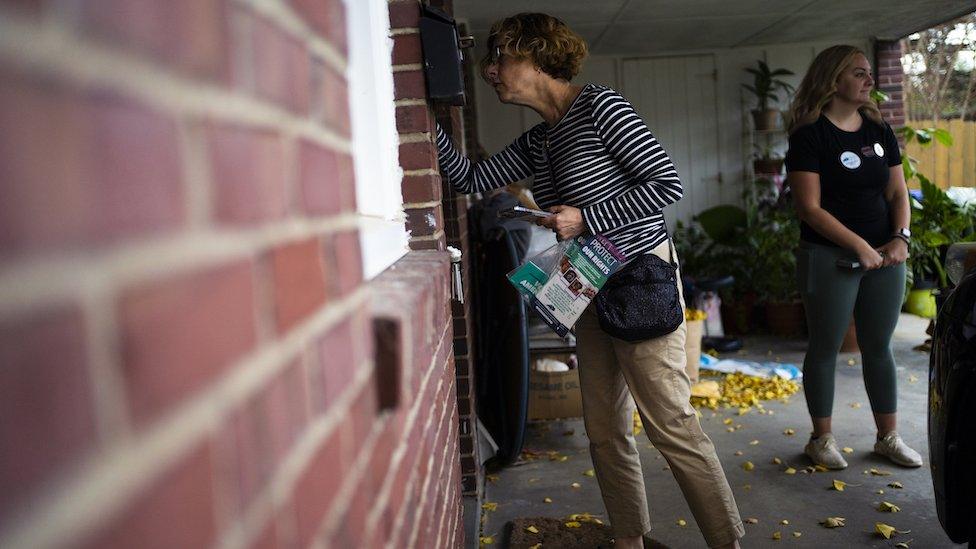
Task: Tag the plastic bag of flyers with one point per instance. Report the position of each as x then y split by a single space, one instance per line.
561 281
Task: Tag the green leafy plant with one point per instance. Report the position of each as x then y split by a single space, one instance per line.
937 220
766 83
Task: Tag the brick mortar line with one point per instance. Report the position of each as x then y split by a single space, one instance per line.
401 449
287 18
436 236
250 524
410 102
406 67
415 137
416 205
99 491
104 369
56 50
425 171
400 31
66 275
443 462
330 521
427 480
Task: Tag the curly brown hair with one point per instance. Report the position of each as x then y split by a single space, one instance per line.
545 40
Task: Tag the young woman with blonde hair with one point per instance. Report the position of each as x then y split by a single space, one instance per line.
844 167
598 168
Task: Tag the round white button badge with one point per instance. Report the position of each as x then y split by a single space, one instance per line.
878 149
850 160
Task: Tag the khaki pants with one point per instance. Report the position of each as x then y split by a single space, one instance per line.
654 373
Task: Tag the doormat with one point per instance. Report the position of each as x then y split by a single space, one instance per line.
554 532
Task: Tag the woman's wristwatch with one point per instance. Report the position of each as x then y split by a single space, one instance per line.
903 234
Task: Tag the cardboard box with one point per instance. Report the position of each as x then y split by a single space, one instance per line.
554 395
693 348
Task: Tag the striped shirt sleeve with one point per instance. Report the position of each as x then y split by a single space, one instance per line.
654 180
508 166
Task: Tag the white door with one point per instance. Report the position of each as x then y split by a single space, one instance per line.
676 96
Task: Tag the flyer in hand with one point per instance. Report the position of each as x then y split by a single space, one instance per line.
560 282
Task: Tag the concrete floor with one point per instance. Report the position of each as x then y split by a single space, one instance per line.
765 493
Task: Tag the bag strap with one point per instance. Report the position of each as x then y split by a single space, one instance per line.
667 234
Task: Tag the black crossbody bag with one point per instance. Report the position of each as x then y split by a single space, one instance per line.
641 300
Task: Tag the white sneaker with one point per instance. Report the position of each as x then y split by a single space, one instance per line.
894 448
824 451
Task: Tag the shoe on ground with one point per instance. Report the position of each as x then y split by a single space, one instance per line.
894 448
824 451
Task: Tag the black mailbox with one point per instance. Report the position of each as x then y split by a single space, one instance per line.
442 56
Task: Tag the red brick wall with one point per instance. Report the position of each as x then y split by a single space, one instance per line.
890 79
189 353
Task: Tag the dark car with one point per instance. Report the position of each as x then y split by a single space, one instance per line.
952 399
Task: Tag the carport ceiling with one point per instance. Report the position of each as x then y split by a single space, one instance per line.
635 27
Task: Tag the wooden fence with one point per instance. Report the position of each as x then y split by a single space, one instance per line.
953 166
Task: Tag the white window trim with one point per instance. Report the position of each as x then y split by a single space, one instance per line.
375 140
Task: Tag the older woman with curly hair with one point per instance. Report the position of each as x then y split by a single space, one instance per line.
597 167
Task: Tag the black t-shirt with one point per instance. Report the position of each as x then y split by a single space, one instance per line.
853 168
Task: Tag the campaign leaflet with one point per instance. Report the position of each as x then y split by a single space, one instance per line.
560 282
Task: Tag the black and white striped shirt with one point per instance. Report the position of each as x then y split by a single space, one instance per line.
600 157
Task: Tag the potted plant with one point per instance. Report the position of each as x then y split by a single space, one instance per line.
766 161
774 239
937 222
766 84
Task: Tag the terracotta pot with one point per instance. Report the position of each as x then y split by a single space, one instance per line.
767 165
738 315
767 119
786 319
849 345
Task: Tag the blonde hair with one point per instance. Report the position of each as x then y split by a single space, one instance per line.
545 40
819 86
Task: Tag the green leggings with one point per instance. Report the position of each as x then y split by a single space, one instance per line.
830 294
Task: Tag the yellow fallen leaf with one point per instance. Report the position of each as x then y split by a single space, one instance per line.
879 472
536 546
901 545
569 433
895 484
777 536
575 485
532 529
491 478
738 452
747 487
573 524
489 506
727 421
487 540
884 529
752 520
912 378
730 429
888 507
833 522
589 473
855 405
753 442
880 492
820 468
681 522
777 461
790 471
848 450
748 466
563 458
797 534
784 522
850 362
839 485
743 411
789 432
547 500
